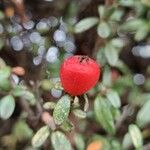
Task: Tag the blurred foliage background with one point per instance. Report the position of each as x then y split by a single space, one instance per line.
36 36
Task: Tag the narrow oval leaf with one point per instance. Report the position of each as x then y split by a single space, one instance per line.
103 114
142 117
7 106
114 98
103 30
132 25
40 137
79 141
85 24
79 113
136 136
111 54
49 105
127 141
61 110
60 142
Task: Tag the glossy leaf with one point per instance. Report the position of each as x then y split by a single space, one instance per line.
85 24
136 136
61 110
40 137
79 141
7 106
142 117
49 105
127 141
103 30
111 54
114 98
103 114
59 141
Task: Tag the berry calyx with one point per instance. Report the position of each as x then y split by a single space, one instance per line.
79 74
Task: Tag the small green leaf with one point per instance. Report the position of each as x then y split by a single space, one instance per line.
127 141
67 126
79 113
5 73
115 144
79 142
30 97
111 54
49 105
40 137
106 79
5 85
18 90
100 56
142 32
132 25
103 114
85 24
117 42
46 84
103 30
136 136
60 142
102 11
114 98
116 15
22 131
76 103
61 110
7 106
142 117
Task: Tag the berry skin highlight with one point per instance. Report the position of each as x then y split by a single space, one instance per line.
79 74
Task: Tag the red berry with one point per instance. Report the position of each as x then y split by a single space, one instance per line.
78 74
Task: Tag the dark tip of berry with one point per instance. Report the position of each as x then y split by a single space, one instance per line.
83 58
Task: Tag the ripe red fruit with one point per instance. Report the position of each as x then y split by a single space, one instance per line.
78 74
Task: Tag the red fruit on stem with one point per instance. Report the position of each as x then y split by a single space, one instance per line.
79 74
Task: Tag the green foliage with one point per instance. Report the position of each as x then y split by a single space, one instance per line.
61 110
7 106
40 136
85 24
103 114
136 136
59 141
33 103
